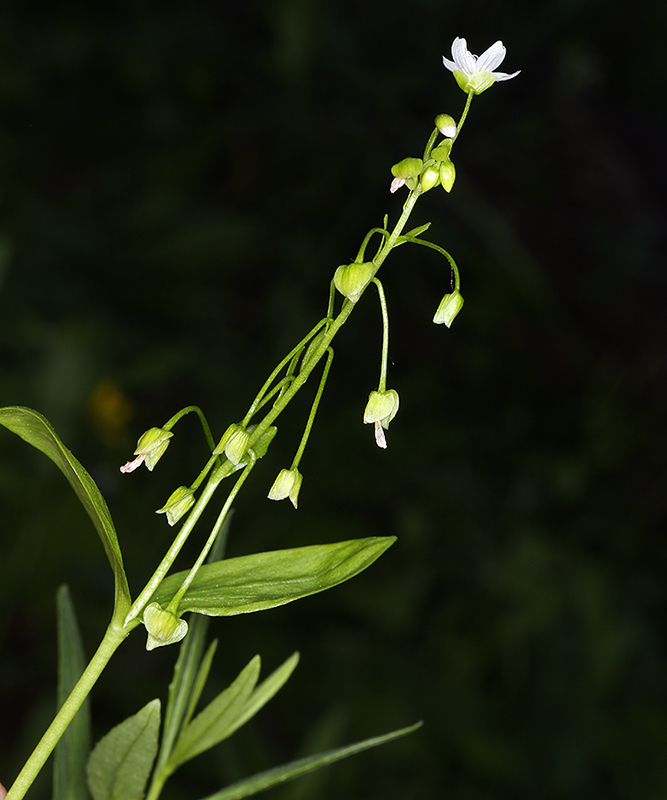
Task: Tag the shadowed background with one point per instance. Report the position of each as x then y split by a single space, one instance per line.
179 182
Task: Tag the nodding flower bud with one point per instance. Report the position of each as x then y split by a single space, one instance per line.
179 503
406 172
352 279
234 443
150 449
449 307
380 410
447 175
287 484
446 125
430 177
162 626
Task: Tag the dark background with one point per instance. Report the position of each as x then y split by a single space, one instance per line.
179 182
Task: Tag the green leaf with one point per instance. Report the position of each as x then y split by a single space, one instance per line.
121 762
36 430
71 754
265 691
287 772
266 580
215 722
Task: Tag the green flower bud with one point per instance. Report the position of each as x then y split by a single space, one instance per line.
442 151
381 407
449 307
408 168
287 484
150 449
163 627
352 279
233 444
430 177
446 125
179 503
380 410
447 175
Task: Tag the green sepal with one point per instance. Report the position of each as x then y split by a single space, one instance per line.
408 168
36 430
266 580
352 279
442 151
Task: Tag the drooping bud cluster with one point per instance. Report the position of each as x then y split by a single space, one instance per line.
437 170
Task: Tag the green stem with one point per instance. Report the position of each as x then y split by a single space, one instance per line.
313 410
176 599
463 116
336 324
114 635
170 556
382 386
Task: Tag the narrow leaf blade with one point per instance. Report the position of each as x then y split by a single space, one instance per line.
266 580
264 692
213 724
71 754
287 772
36 430
121 762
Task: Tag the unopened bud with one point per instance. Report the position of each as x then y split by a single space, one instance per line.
446 125
233 444
287 484
162 626
447 175
449 307
352 279
179 503
430 177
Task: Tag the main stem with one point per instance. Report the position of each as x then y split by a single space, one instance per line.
112 638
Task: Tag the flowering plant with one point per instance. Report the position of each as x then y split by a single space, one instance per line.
134 754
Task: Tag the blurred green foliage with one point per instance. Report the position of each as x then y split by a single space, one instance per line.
179 183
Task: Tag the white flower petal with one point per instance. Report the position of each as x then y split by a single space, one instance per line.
451 66
503 76
492 57
463 58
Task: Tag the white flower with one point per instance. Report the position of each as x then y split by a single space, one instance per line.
475 73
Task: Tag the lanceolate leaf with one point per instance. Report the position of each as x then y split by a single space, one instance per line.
121 762
71 754
266 580
287 772
215 722
36 430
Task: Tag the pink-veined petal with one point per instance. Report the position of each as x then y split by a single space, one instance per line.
463 58
492 57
